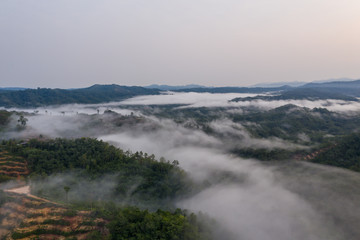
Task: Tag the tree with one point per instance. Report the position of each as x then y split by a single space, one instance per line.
22 121
67 189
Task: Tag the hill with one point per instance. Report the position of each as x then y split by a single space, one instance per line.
138 175
94 94
288 121
75 208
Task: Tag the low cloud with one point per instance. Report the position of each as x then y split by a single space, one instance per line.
235 135
243 195
193 100
252 200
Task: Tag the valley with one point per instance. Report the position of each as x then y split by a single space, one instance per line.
197 161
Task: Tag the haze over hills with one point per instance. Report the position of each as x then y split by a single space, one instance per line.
298 83
342 90
171 88
242 163
303 93
140 120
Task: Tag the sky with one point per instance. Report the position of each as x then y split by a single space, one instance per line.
78 43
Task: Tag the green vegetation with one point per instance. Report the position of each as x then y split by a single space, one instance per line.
40 231
126 223
92 160
131 223
267 154
3 198
150 181
343 153
288 121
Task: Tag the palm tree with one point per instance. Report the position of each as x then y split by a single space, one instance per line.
67 189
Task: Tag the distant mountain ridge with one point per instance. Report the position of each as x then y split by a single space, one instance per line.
171 88
12 89
279 84
234 89
341 90
298 83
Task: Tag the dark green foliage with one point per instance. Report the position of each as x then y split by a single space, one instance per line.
4 178
70 213
133 224
94 94
95 235
149 180
344 153
40 231
3 198
265 154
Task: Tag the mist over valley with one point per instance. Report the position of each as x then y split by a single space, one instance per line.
247 165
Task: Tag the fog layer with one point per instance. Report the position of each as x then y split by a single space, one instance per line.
252 200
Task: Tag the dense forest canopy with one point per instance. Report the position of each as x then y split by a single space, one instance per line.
345 153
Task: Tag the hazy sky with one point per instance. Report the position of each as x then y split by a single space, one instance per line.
77 43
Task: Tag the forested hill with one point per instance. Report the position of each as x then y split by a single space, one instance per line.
119 193
139 177
344 153
94 94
